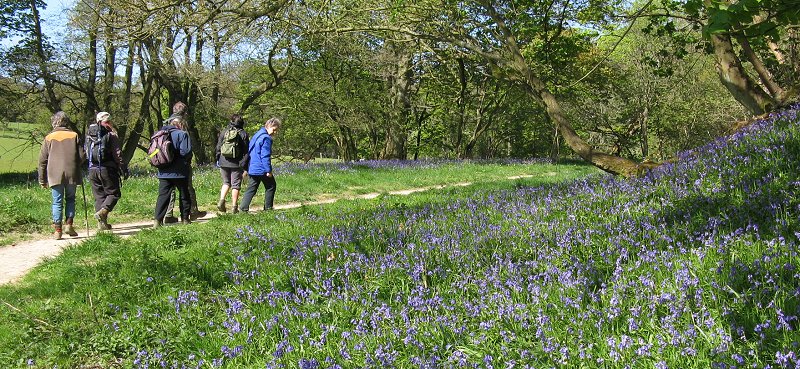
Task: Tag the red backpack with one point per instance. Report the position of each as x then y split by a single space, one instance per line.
161 152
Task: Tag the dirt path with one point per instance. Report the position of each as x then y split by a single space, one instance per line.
16 260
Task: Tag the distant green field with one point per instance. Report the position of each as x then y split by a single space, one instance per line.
17 154
19 147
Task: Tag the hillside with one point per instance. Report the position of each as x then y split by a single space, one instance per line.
692 266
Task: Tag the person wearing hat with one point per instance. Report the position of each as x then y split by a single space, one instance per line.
104 151
60 170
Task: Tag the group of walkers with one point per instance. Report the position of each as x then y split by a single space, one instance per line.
64 153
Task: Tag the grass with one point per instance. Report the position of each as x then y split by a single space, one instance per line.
25 207
692 266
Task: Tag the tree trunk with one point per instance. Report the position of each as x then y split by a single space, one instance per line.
736 80
519 66
133 138
92 107
645 143
110 68
53 103
346 143
125 103
763 73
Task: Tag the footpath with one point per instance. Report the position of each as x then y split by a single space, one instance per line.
16 260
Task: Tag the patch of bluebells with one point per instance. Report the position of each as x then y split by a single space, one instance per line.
291 168
693 265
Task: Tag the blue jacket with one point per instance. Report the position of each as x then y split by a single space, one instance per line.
260 151
180 166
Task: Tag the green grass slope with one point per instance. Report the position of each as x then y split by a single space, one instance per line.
693 266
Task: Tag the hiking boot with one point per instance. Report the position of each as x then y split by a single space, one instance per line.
170 219
221 206
235 209
156 223
102 219
186 221
57 231
197 214
69 229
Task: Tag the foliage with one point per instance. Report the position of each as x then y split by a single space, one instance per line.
691 266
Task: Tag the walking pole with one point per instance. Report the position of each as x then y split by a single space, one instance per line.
85 210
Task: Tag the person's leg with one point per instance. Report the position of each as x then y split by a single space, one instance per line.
185 198
236 184
226 186
252 188
164 190
69 198
99 194
269 194
57 192
113 193
192 195
69 212
170 214
235 200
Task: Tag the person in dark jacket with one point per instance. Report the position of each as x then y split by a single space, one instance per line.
105 175
259 167
176 175
59 169
232 168
181 111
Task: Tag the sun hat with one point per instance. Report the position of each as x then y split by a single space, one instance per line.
103 117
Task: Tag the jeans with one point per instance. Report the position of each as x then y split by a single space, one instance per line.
252 187
61 193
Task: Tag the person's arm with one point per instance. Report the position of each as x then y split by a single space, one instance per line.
218 148
116 153
246 157
44 154
184 144
267 153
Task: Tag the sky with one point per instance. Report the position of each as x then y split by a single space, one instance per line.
53 17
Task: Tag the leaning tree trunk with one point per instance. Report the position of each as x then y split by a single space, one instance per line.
736 80
521 70
609 163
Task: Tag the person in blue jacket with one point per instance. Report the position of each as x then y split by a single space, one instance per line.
259 168
176 174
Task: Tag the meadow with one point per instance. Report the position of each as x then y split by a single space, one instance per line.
25 207
19 146
692 266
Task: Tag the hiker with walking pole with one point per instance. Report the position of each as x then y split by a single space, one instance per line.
106 167
59 170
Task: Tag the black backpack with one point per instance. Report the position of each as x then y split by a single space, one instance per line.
97 143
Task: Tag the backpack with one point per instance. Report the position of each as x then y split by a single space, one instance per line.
161 152
97 143
231 144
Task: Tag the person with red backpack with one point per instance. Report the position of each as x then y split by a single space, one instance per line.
175 173
232 158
